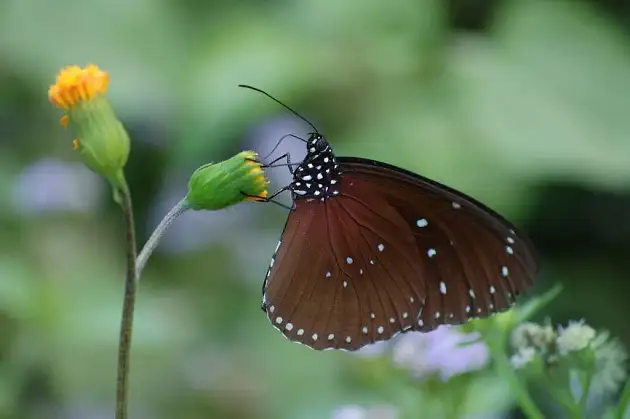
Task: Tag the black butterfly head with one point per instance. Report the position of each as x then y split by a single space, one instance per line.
317 143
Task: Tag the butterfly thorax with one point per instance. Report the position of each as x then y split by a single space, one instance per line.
318 175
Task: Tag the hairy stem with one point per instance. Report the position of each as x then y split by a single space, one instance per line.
126 326
157 234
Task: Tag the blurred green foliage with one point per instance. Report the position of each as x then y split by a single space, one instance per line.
524 104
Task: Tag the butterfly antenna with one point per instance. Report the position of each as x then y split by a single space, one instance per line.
277 101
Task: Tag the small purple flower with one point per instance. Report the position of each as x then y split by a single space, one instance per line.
445 351
51 185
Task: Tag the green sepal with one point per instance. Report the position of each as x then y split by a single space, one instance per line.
103 141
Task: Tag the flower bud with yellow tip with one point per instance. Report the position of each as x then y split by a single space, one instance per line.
101 139
218 185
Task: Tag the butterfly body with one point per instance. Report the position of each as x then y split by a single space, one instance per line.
317 175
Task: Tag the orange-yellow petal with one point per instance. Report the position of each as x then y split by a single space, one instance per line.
64 121
75 84
75 144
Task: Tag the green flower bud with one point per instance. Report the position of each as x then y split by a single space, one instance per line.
218 185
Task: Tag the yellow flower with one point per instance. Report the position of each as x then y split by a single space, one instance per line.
218 185
75 84
101 139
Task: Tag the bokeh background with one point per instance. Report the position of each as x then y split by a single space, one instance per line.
523 104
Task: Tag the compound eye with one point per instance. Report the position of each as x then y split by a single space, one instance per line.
320 144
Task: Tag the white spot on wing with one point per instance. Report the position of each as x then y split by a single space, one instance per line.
442 287
422 223
380 247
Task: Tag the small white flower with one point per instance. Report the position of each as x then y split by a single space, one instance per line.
532 335
522 358
610 360
577 336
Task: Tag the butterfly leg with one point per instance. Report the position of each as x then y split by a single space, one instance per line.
271 198
288 163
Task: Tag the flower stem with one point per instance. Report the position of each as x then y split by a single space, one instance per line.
126 326
525 402
624 402
585 382
157 234
565 399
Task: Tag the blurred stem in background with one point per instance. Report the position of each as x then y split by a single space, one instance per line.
624 402
497 343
